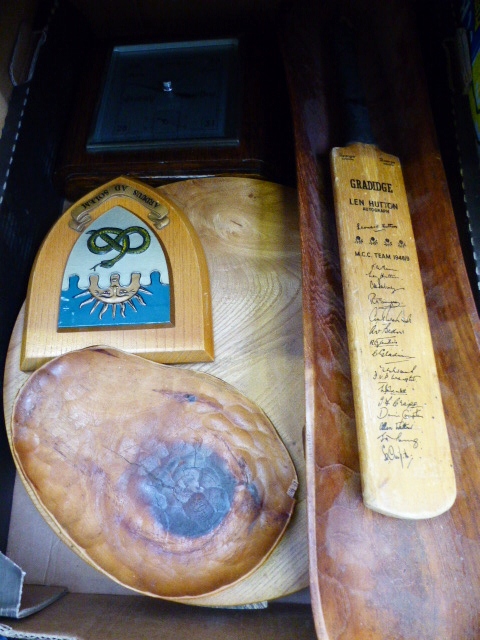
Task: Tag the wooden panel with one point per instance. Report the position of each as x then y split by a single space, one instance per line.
373 576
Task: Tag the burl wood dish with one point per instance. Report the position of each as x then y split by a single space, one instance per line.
168 480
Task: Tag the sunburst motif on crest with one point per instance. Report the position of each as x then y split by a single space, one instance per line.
115 296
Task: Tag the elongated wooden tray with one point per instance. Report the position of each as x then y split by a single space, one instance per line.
249 232
372 576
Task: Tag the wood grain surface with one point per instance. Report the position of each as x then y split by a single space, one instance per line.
374 576
249 232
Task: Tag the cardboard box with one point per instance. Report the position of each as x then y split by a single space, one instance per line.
103 617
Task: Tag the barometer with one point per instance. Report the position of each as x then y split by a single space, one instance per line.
170 94
167 111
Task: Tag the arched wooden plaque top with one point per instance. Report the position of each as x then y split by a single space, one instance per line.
124 267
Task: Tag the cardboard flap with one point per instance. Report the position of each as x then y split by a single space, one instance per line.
15 602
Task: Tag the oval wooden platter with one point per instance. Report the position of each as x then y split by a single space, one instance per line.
373 576
249 232
168 480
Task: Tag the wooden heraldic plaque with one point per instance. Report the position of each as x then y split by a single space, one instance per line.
122 267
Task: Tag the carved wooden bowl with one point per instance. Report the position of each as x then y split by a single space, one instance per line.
168 480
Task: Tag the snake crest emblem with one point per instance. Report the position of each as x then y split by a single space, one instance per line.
106 239
116 275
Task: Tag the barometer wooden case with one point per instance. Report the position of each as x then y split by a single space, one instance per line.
165 111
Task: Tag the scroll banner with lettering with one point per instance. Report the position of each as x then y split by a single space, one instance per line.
158 210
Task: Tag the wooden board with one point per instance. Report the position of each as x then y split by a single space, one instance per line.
249 231
372 576
184 336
